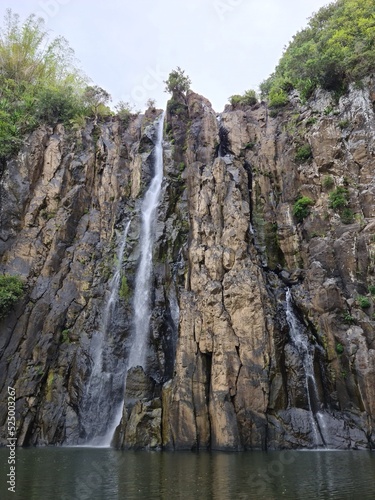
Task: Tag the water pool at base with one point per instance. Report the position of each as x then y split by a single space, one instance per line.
105 474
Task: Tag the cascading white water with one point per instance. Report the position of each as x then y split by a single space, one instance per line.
306 352
103 382
142 312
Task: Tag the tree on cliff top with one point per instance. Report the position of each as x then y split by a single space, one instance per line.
39 82
177 82
27 56
96 99
336 48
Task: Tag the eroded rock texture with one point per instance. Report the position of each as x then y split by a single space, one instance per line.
224 370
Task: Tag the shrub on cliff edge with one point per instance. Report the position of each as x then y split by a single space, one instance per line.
249 98
11 289
301 207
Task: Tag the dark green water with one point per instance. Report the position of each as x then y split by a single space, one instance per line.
104 474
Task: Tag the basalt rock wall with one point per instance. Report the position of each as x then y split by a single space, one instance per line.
223 371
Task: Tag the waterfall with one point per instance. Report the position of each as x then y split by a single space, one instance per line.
142 293
104 398
306 352
106 381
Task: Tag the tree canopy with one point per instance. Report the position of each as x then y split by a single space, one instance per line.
336 48
28 56
96 98
177 81
39 82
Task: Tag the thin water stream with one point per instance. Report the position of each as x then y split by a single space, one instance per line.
104 382
306 352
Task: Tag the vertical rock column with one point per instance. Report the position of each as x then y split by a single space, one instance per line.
219 395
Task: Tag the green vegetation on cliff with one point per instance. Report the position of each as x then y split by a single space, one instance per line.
39 82
177 82
301 207
339 198
249 98
11 289
336 48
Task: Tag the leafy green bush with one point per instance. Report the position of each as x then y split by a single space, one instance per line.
249 98
169 130
303 153
328 110
347 216
278 98
311 120
301 207
11 289
348 318
306 88
125 111
151 103
363 302
339 198
273 113
371 289
56 104
235 99
176 108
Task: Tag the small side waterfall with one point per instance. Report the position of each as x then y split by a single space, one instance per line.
105 381
142 312
306 352
114 284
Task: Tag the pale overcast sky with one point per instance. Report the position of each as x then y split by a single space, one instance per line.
129 48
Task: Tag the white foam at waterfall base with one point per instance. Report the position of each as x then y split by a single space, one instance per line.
142 293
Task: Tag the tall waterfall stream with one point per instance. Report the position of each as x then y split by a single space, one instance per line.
106 424
142 312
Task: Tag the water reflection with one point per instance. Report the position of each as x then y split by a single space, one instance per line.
105 474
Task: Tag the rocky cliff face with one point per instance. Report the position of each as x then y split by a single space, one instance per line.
225 366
